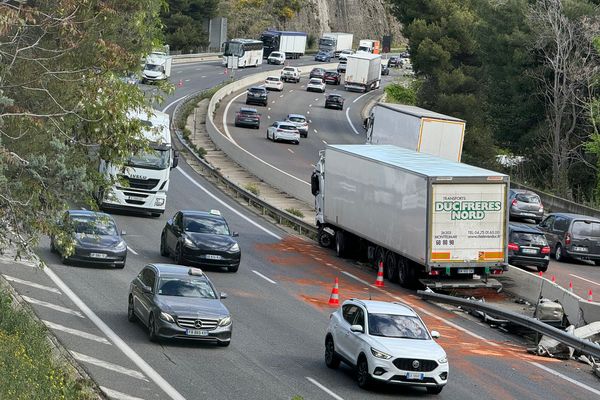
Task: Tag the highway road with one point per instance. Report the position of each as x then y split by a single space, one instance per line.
278 301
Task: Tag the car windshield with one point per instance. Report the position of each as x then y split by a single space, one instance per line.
397 326
257 90
527 239
205 225
276 54
316 81
154 67
248 112
287 127
586 228
289 69
273 79
297 119
152 159
337 99
92 225
186 287
528 198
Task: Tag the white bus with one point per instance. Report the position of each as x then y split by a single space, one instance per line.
247 53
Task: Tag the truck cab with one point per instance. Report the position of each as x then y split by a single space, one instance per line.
369 46
157 67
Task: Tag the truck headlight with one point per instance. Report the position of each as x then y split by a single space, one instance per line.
225 321
166 317
380 354
111 196
159 202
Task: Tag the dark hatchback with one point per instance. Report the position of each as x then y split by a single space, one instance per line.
394 61
527 247
257 95
572 236
332 77
200 238
247 117
317 73
94 237
334 101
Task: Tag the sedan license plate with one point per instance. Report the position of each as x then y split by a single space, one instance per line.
466 271
580 249
196 332
414 376
529 251
213 257
98 255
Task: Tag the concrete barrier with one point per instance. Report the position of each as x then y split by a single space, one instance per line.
190 58
276 177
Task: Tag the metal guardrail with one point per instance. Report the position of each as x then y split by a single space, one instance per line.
584 346
283 217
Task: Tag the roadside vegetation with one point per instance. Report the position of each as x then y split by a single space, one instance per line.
29 370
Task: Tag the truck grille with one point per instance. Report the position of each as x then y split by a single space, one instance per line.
406 364
190 323
146 184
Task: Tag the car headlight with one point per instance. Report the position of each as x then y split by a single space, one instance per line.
225 321
443 360
166 317
235 247
121 246
380 354
189 243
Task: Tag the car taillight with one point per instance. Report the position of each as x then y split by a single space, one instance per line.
546 250
567 238
514 202
497 272
434 272
513 246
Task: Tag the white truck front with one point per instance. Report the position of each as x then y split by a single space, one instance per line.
143 182
157 67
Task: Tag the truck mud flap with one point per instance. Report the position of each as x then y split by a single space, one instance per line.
461 284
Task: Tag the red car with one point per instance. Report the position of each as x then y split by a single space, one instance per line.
332 77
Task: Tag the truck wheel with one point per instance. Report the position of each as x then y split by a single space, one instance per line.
325 239
340 244
391 267
379 257
403 267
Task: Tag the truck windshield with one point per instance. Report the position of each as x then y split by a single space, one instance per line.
326 42
233 49
154 67
269 41
364 48
153 159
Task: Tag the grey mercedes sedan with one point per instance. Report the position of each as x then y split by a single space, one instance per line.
177 302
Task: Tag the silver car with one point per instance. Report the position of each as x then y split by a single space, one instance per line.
176 302
300 122
525 204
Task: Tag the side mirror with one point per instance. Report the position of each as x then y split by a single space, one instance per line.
357 328
175 158
123 232
223 295
146 289
235 234
435 334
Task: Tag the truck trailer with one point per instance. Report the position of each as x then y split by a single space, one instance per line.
293 44
336 42
363 72
424 218
416 129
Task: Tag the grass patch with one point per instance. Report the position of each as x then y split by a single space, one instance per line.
402 92
28 368
252 188
199 150
296 212
188 107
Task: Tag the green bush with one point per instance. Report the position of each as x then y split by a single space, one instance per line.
296 212
252 188
402 93
28 370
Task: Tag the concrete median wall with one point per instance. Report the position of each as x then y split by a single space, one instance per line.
274 176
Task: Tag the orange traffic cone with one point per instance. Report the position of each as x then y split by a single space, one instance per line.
379 281
541 273
334 300
553 279
590 297
180 84
571 286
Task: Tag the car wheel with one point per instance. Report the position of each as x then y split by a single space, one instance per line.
130 310
332 360
558 253
152 331
434 389
179 255
224 344
164 251
362 373
297 142
233 268
543 269
236 125
391 267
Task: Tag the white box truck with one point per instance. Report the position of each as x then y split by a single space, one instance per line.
416 129
369 46
336 42
157 67
293 44
363 72
425 218
143 182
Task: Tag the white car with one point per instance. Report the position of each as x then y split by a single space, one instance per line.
344 54
316 85
282 130
386 343
290 74
276 57
274 83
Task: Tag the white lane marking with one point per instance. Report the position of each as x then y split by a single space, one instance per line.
203 76
132 250
108 365
113 394
360 97
227 112
280 95
32 284
316 99
356 278
583 279
308 112
76 332
113 337
291 151
268 117
268 108
310 105
187 80
315 131
264 277
350 122
173 102
323 388
236 212
273 102
324 142
566 378
52 306
291 90
179 72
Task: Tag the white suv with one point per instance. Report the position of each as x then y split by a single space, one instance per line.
387 343
290 74
276 57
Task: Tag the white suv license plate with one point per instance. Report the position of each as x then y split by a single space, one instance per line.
466 271
196 332
98 255
213 257
417 376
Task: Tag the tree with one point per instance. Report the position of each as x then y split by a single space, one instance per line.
186 21
60 95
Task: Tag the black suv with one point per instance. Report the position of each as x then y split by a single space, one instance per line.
527 247
334 101
573 236
257 95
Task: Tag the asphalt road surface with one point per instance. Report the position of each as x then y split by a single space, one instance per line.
278 301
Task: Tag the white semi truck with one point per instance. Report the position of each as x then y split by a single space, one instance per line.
157 67
336 42
416 129
143 182
363 72
425 218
